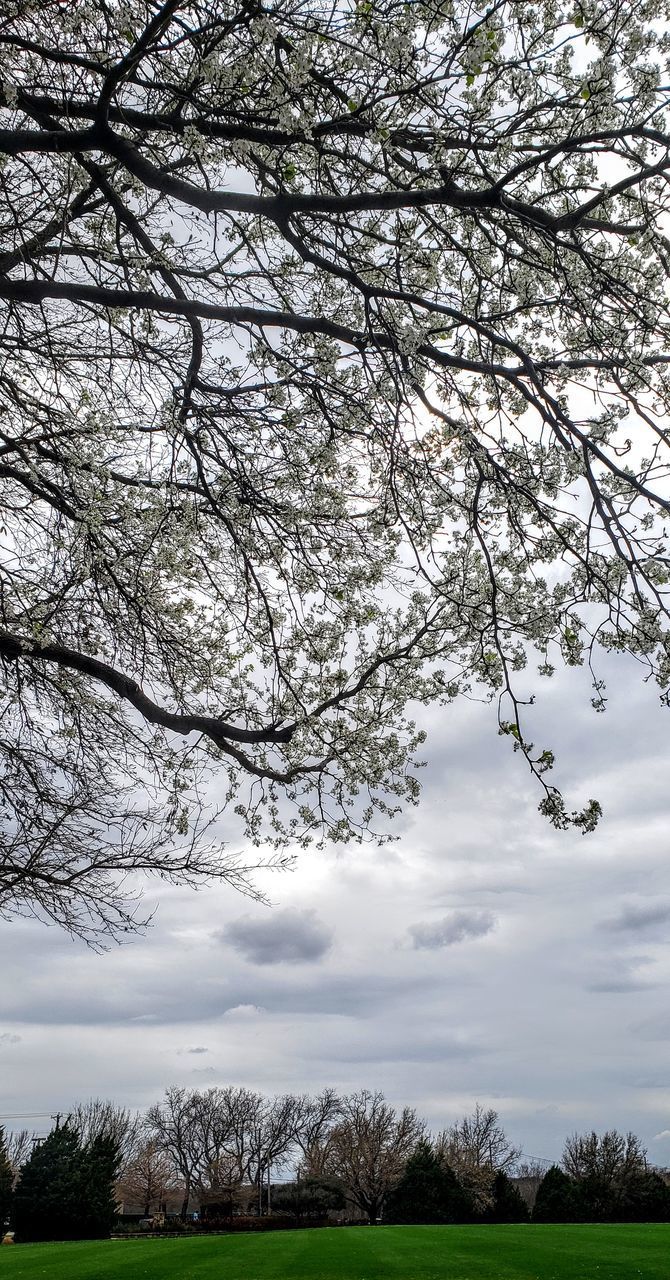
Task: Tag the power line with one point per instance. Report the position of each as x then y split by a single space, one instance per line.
29 1115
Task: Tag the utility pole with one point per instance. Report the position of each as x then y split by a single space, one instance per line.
57 1119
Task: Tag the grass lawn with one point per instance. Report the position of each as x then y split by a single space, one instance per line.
623 1252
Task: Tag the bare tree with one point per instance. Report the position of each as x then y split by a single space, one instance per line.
225 1125
611 1157
19 1144
476 1148
369 1146
229 1149
147 1178
334 381
213 1127
273 1137
219 1139
104 1119
172 1126
478 1141
318 1118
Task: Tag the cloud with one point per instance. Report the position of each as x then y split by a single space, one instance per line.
290 936
458 926
244 1011
197 1048
9 1037
633 917
658 1137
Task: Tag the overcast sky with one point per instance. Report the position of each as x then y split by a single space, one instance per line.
484 956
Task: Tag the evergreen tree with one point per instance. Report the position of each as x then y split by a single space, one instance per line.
99 1169
645 1198
428 1191
6 1182
418 1196
47 1200
597 1199
557 1200
310 1198
508 1203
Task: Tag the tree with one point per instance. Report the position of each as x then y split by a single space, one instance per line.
478 1141
556 1199
335 379
508 1205
104 1119
477 1147
173 1127
312 1197
604 1167
318 1116
66 1190
147 1178
646 1198
6 1181
219 1138
19 1144
99 1168
272 1138
369 1147
428 1191
47 1199
231 1138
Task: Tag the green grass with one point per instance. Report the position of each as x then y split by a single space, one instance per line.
362 1253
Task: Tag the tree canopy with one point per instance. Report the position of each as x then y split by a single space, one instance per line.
334 381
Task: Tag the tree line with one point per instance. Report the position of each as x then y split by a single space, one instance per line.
232 1151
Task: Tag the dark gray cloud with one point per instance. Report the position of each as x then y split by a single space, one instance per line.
458 926
154 999
633 917
197 1048
284 937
